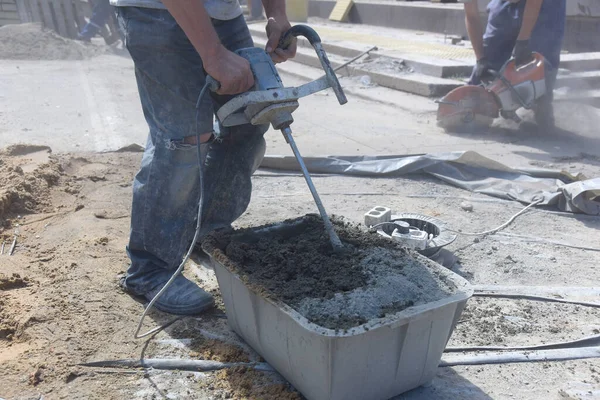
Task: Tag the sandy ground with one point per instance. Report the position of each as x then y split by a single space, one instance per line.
70 209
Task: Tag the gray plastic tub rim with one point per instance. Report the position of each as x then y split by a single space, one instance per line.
390 321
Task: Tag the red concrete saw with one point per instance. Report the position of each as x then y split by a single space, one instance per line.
474 107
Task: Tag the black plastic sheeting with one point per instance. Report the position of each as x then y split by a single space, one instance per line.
465 169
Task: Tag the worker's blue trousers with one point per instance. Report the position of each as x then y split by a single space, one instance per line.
504 24
170 76
100 14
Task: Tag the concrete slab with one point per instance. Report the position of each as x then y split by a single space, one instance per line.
579 80
89 105
351 40
409 82
428 65
590 97
425 51
438 67
402 40
423 85
352 85
338 47
581 29
394 13
580 61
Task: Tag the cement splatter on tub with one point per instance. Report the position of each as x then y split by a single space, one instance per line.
395 283
293 262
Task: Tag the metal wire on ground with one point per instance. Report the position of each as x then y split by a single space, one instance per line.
572 344
535 298
504 225
521 356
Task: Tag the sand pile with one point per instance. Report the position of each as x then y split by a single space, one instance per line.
32 42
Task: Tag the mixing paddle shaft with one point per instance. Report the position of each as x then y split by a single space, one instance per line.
333 237
269 102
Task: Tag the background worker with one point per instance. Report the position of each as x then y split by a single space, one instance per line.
174 44
517 28
101 13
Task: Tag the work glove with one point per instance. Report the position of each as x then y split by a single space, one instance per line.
522 53
482 71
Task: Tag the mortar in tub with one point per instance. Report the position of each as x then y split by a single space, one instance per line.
369 340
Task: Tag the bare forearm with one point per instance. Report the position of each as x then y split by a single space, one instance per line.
274 8
197 25
530 17
474 28
475 31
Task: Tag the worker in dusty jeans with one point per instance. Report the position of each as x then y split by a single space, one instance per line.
174 44
516 28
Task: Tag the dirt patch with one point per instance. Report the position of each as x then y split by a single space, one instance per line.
26 175
507 322
8 325
24 149
294 262
32 42
37 376
582 157
13 282
59 300
248 384
217 350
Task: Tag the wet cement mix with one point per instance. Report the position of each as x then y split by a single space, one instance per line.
294 262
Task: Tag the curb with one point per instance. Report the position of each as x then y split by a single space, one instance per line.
410 82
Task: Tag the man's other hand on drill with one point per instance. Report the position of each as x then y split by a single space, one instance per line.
276 27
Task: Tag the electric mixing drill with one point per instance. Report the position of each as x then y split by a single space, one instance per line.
269 102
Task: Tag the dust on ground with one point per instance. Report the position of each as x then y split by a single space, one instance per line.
247 384
13 282
371 278
26 175
211 349
511 322
70 250
32 42
8 324
60 304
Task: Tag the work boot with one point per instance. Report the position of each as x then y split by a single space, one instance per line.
182 297
544 115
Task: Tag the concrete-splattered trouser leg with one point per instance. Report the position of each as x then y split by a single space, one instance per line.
170 76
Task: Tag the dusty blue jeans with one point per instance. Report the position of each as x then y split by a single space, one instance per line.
170 76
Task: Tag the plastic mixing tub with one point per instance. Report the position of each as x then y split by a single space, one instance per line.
377 360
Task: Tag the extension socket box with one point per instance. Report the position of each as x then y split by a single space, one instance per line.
377 360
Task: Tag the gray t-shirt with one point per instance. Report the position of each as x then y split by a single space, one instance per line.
224 10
